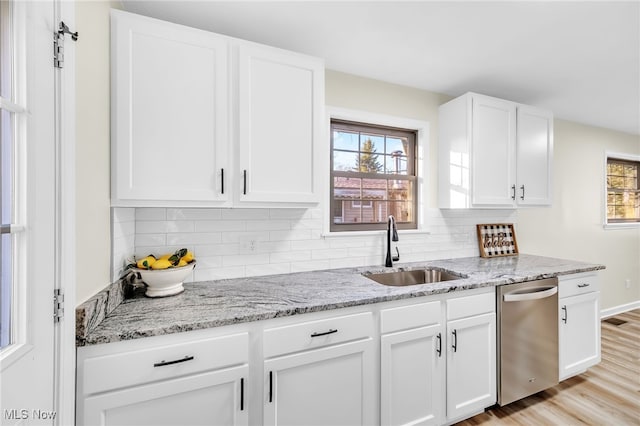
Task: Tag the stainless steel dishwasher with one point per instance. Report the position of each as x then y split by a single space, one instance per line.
527 338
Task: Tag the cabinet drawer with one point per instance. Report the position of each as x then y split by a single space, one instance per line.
461 307
413 316
315 334
149 364
571 285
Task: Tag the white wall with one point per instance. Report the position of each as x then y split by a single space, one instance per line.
572 227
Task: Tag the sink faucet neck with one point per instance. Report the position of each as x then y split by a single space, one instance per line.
392 235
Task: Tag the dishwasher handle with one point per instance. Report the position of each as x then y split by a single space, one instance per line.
531 293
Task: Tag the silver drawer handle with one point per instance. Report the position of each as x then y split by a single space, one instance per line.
175 361
583 285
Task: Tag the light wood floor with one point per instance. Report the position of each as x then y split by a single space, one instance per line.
607 394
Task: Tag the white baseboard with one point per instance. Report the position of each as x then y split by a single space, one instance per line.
609 312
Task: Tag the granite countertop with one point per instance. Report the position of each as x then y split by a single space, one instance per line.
216 303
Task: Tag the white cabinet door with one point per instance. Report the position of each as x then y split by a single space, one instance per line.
579 334
169 113
493 152
534 156
328 386
412 377
212 398
281 96
471 365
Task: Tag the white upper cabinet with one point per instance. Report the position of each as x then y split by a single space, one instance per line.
169 112
182 97
279 124
493 126
534 155
494 153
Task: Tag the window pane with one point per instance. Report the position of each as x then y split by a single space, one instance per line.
6 174
374 189
399 145
402 211
622 196
6 71
345 161
396 164
345 188
370 161
360 201
5 290
400 190
348 141
371 143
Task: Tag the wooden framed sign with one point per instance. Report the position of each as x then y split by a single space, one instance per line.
497 239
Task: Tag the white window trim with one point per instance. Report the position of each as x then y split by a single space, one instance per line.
422 157
618 156
20 331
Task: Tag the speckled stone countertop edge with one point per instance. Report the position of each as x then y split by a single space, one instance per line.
110 317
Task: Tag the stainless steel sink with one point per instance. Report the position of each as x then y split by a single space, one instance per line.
418 276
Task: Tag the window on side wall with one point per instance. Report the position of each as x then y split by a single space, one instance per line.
623 190
373 175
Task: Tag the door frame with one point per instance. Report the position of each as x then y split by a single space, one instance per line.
64 339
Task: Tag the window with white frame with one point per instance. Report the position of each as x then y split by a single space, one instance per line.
10 113
373 175
623 189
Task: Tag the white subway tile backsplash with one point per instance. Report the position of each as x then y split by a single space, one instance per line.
150 213
270 269
231 243
245 214
220 225
193 214
151 240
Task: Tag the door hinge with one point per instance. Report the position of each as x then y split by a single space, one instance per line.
58 44
58 50
58 305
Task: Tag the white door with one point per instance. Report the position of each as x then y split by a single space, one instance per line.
579 333
28 212
471 365
280 99
534 152
412 377
493 146
323 387
170 97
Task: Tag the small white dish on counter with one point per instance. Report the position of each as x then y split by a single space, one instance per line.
165 282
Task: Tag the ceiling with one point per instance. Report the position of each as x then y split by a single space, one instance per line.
579 59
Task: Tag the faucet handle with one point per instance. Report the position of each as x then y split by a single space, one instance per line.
396 258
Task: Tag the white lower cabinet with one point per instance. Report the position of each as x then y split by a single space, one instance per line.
471 365
315 377
439 367
431 361
579 324
412 366
164 381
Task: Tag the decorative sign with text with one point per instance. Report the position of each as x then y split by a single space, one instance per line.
497 239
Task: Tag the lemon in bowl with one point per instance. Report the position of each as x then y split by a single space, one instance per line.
164 275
